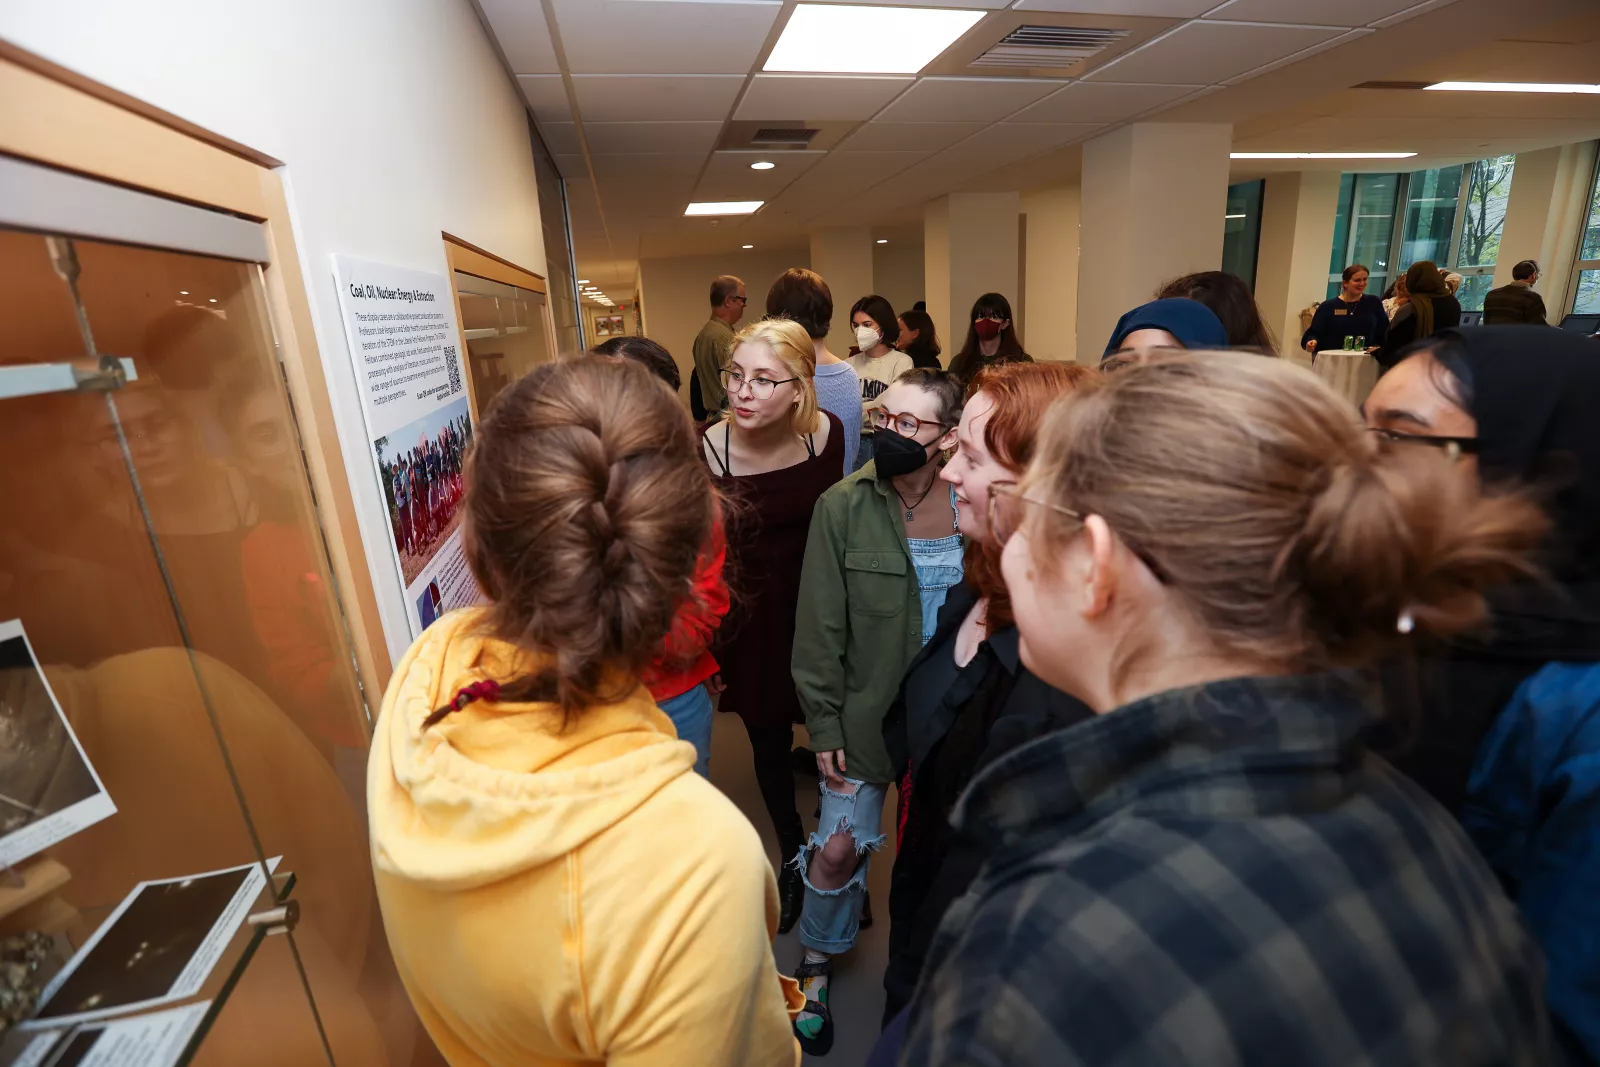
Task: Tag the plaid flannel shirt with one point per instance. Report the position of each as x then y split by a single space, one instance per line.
1223 875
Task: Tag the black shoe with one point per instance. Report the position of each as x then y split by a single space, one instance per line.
820 1043
803 762
791 895
866 913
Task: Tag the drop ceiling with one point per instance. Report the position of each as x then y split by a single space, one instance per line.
649 104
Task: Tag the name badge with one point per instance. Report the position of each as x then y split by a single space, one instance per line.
1340 311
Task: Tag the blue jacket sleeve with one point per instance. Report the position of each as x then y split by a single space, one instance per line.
1533 809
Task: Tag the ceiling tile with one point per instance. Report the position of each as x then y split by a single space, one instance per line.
655 97
966 99
970 5
728 175
926 137
1001 145
1310 12
546 94
520 28
561 138
1102 102
1210 52
817 97
1158 8
617 138
835 179
572 166
682 37
1306 53
666 165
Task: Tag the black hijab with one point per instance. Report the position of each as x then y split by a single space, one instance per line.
1535 393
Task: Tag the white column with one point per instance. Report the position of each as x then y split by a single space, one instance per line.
1050 278
936 271
969 248
1545 218
843 256
1154 197
1297 217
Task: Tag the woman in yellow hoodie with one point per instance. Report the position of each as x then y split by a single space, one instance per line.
557 883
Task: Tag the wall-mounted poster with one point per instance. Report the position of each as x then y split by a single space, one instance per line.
401 328
48 789
616 325
602 326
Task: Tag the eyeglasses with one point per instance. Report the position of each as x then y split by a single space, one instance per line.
741 299
993 315
1005 517
760 388
906 425
1454 447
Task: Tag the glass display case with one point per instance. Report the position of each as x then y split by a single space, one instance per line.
162 551
506 333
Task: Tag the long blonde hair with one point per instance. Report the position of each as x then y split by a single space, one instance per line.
792 347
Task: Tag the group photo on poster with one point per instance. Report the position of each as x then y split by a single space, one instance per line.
421 468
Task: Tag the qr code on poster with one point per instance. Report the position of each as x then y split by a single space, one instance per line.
453 365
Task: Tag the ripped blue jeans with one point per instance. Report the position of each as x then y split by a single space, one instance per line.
832 916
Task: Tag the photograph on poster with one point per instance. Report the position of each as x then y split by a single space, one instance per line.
421 468
155 1040
430 605
158 946
48 789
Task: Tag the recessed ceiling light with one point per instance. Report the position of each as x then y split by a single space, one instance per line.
883 240
183 292
747 246
827 38
762 165
723 207
1320 155
213 300
583 281
1514 87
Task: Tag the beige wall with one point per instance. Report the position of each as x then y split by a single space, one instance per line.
1050 279
1297 216
1154 196
843 257
897 273
970 247
936 267
677 294
1545 218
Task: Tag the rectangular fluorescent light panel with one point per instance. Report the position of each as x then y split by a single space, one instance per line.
723 207
1512 87
847 39
1320 155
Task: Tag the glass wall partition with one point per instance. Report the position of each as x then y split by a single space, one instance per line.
1364 228
1586 291
163 555
1241 231
505 331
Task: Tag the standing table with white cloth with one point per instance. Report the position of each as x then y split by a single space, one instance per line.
1352 374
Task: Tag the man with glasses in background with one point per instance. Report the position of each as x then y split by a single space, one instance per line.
712 345
1516 302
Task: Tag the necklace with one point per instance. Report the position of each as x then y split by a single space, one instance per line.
911 508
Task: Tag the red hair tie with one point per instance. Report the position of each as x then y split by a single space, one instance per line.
484 690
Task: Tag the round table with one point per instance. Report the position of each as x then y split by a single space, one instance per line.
1351 374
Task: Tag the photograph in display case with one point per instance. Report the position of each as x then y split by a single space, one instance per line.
48 788
156 948
155 1040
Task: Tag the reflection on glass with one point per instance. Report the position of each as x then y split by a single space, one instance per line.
1588 301
223 712
1488 191
1241 231
505 331
1430 215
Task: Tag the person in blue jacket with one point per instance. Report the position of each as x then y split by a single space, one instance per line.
1353 313
1507 727
1162 327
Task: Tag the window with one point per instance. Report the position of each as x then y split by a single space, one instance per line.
1586 301
1452 216
1241 233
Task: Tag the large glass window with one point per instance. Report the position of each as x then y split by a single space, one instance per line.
1241 233
1483 218
1586 301
1368 206
1432 197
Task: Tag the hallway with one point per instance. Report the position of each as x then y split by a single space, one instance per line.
857 985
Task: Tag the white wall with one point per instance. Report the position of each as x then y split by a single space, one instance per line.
1545 219
677 294
395 121
1050 281
897 272
843 256
1297 218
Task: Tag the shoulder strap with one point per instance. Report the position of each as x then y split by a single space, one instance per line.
727 435
811 445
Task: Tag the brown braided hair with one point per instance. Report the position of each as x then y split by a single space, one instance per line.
587 506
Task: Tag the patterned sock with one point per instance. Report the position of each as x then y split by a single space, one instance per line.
815 988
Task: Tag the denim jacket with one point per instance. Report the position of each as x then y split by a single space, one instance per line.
1533 808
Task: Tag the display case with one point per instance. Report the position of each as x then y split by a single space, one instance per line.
192 650
506 329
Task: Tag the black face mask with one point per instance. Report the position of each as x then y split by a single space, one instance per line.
896 456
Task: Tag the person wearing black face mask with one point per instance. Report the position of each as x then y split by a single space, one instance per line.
991 339
882 553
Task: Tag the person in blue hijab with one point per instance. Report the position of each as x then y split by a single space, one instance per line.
1163 325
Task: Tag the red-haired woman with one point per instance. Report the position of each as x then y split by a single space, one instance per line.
966 698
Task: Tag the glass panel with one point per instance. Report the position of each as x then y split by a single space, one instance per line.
1474 287
1588 299
1430 225
1341 225
505 333
563 306
1241 233
267 672
1375 198
1488 189
1591 229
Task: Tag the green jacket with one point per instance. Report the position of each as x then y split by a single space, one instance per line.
859 623
712 346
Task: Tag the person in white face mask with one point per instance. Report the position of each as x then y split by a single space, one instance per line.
875 360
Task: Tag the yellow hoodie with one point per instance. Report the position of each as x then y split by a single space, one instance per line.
572 895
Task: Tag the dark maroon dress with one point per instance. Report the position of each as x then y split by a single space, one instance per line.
768 518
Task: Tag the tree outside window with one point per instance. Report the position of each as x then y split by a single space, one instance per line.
1488 190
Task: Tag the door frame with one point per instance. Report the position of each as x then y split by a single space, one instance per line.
59 118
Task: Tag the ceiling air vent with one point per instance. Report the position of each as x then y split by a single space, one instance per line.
793 137
1048 46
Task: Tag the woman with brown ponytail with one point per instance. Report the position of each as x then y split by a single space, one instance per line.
1213 869
557 883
